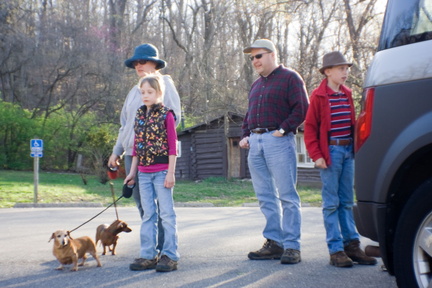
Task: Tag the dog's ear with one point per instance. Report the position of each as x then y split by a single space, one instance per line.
68 234
52 237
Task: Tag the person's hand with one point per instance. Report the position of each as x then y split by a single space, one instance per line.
320 163
244 143
113 161
276 133
169 180
129 180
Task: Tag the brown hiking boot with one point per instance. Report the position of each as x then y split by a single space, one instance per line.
354 251
340 259
270 250
143 264
291 256
165 264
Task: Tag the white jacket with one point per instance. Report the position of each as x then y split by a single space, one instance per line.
125 138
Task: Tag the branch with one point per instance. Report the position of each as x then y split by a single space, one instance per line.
176 40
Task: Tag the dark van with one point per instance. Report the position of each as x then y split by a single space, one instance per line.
393 166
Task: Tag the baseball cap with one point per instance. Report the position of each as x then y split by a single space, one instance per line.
261 43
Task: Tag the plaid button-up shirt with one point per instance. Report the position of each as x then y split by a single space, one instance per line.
278 100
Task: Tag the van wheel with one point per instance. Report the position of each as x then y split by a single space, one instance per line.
413 240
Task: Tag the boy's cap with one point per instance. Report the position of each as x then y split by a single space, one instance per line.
333 59
261 43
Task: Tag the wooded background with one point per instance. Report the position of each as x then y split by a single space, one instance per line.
63 79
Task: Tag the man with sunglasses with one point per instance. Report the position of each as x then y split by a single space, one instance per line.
277 106
145 61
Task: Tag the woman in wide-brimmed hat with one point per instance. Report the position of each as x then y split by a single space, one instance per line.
145 61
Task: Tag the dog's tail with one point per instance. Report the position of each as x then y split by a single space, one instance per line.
97 237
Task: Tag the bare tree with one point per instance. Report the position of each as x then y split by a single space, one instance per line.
117 8
312 35
69 55
356 22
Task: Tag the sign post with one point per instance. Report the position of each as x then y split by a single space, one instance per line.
35 179
36 151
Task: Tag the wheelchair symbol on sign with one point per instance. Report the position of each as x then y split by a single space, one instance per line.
36 143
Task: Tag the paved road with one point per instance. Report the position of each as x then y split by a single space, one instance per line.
213 243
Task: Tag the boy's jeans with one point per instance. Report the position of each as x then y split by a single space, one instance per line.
273 167
338 198
152 190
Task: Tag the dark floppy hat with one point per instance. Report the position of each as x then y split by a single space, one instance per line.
146 52
333 59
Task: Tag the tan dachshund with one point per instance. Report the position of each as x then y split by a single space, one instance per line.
68 250
108 234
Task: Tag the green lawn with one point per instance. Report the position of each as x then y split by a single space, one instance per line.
18 187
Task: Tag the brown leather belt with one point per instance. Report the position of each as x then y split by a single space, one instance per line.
262 130
340 142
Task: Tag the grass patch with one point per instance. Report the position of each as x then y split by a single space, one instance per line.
218 191
18 187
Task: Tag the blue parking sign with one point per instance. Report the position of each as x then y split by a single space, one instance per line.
36 147
36 143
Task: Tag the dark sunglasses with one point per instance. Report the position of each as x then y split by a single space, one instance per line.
258 56
142 62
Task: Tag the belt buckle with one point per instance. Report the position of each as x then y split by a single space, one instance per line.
258 130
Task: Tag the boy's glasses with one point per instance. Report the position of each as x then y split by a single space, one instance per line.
142 62
258 56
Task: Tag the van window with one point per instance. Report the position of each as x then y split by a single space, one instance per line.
402 28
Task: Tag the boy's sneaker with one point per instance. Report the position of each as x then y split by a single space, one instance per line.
165 264
291 256
143 264
340 259
270 250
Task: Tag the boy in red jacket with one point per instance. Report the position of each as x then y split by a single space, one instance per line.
329 134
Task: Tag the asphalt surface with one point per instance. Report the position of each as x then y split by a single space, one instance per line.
213 243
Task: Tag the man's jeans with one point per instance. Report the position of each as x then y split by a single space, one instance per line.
273 167
338 198
152 189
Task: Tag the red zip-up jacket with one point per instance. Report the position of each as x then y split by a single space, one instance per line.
317 122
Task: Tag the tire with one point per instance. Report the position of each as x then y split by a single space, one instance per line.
413 240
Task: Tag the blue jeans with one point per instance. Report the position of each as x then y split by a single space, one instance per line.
273 166
338 198
137 198
135 191
153 196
